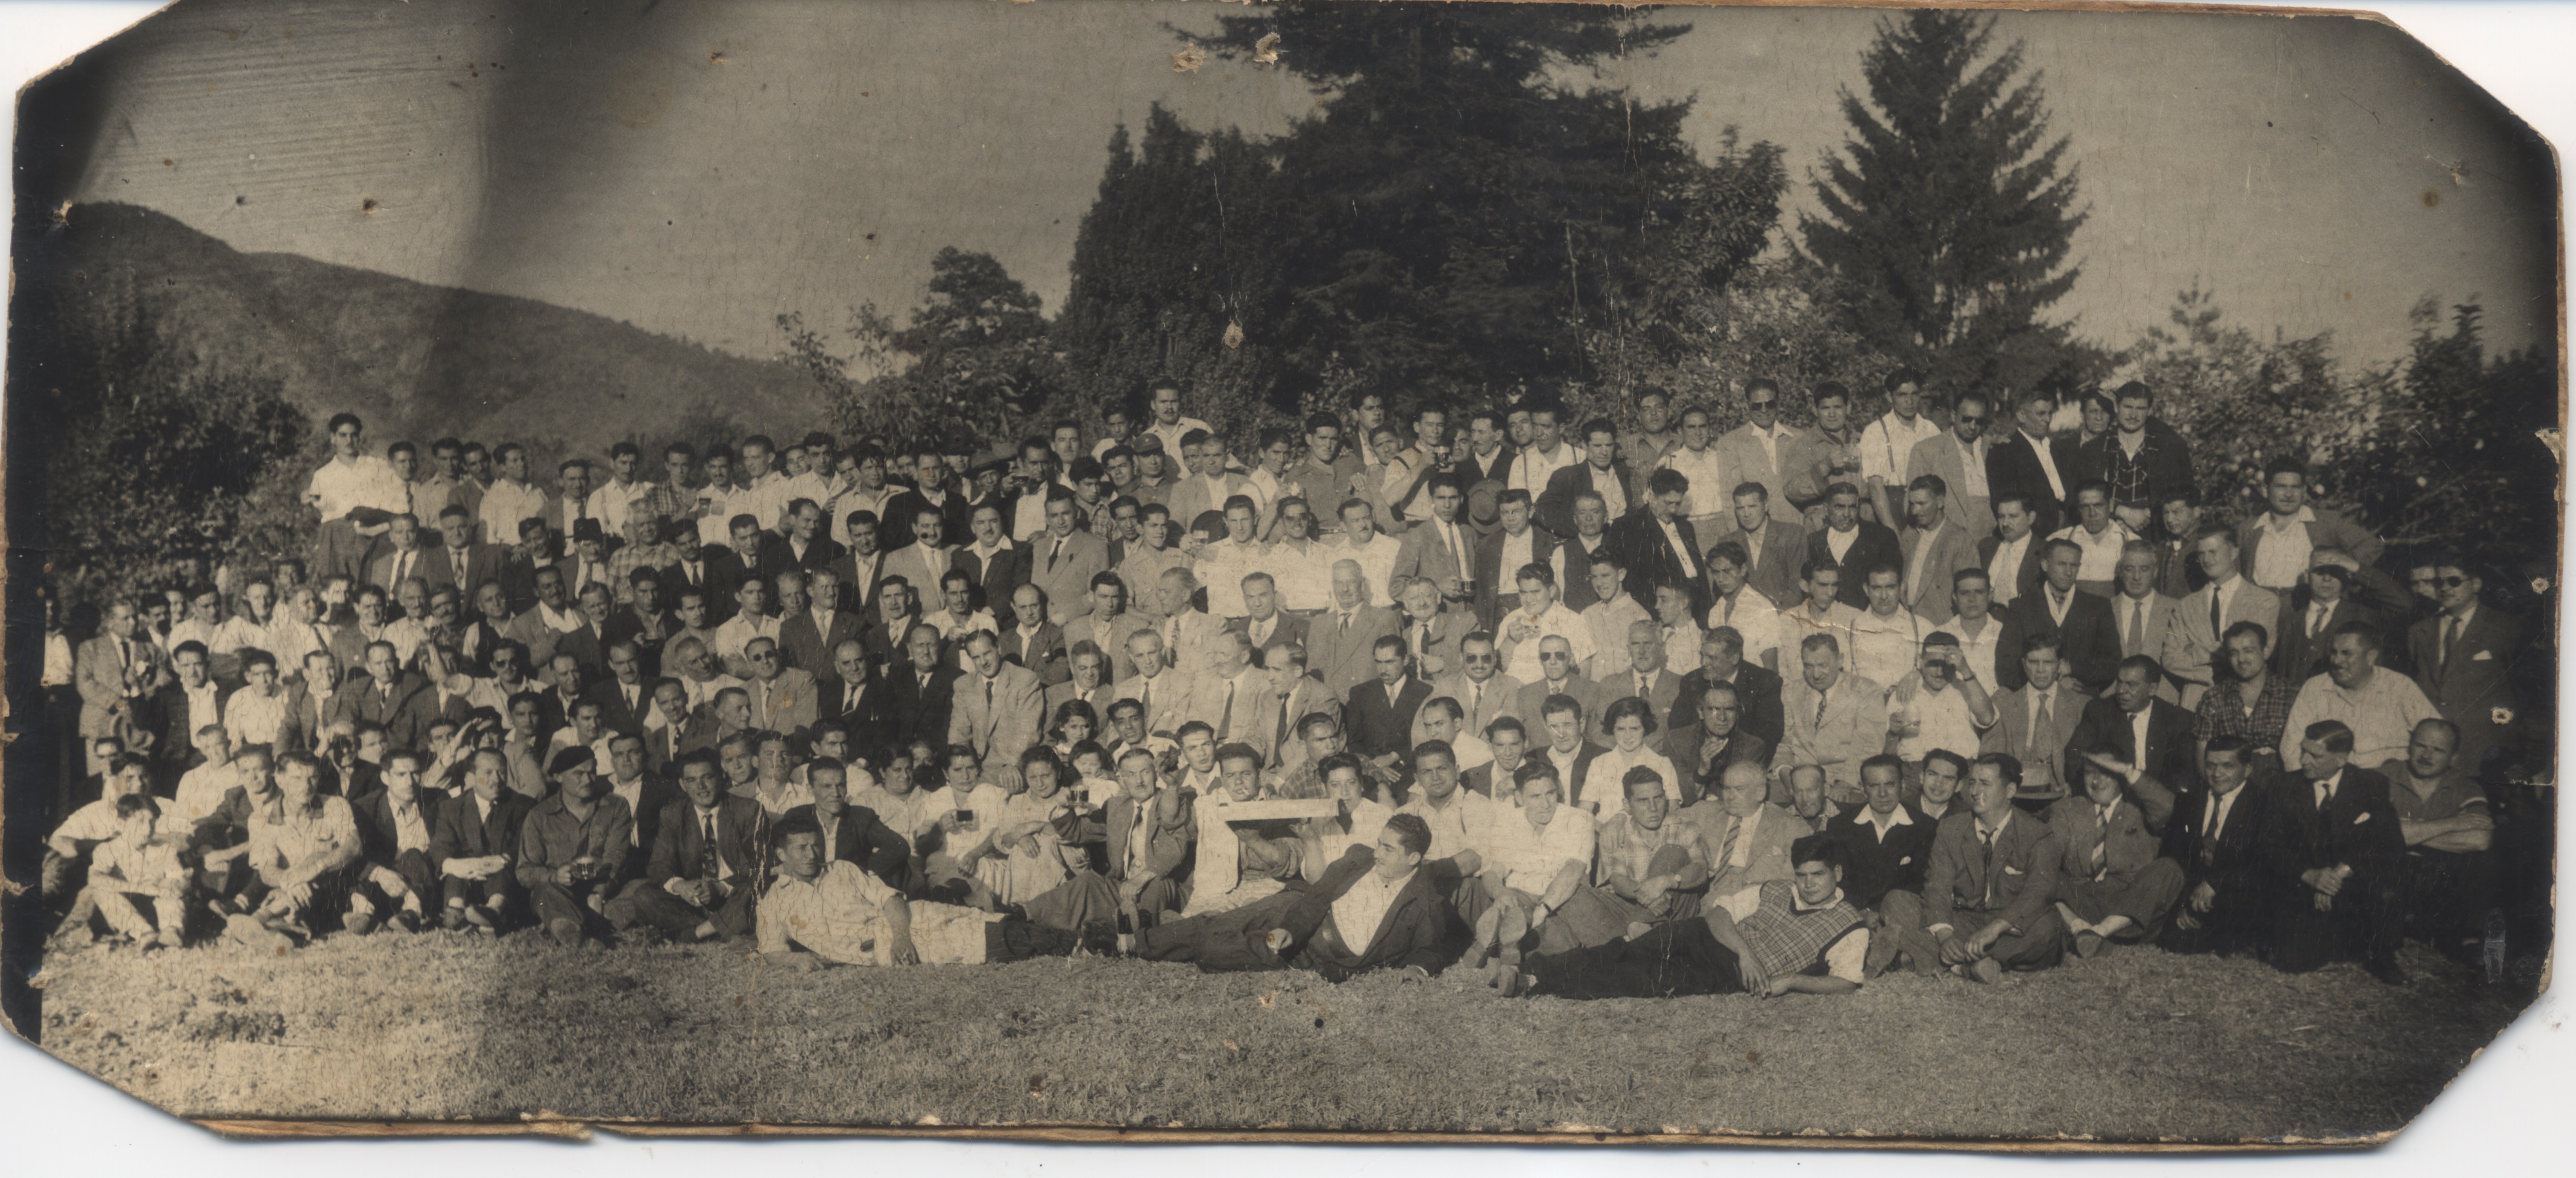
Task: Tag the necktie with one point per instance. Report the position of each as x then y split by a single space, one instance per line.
2039 729
1346 623
1475 702
2217 616
2101 837
2450 637
1279 739
1644 687
2138 625
456 562
1726 846
1225 718
2325 795
1147 698
850 700
1053 554
402 567
1820 710
2316 618
2209 831
707 865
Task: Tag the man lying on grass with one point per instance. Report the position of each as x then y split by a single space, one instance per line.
838 914
1794 936
1373 909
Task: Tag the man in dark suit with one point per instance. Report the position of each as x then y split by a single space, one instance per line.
399 700
807 543
931 478
1030 640
920 689
995 564
2015 525
1773 548
2306 631
1381 710
1714 739
1300 929
1887 847
2464 658
2088 638
859 569
1266 625
1865 544
851 833
2214 835
2025 461
396 881
856 698
2114 883
1986 904
1757 689
1600 473
1518 541
623 694
2331 848
752 553
475 844
706 865
458 560
2114 724
809 635
1658 546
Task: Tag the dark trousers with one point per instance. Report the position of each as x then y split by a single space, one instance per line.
498 894
2364 924
553 901
2144 896
1221 942
647 903
2039 944
1011 939
2445 895
2233 925
68 753
1682 957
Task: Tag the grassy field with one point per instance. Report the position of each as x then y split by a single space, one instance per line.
2132 1046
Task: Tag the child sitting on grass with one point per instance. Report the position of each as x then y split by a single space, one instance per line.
137 885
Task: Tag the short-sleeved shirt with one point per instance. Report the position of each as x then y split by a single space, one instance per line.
839 916
1886 444
2454 796
1527 857
366 481
1459 826
2223 713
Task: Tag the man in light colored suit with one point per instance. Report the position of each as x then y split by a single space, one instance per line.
783 698
1835 719
1645 677
1773 547
1063 561
117 674
1558 675
1338 640
1758 450
1165 692
1209 484
1265 624
2033 722
1299 695
399 555
1440 549
997 704
1958 456
1935 546
926 561
1477 683
1189 633
1107 624
2142 615
1748 837
2228 598
1237 697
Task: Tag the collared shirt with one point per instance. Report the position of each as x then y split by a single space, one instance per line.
839 916
505 505
1172 434
58 660
2213 816
252 718
1462 824
1972 465
1302 574
1710 493
151 867
2101 552
1880 826
1516 553
201 791
1531 470
2452 794
1885 649
344 485
764 498
282 837
2281 549
1608 622
1755 617
1222 566
1528 857
1360 910
2003 572
2381 713
2047 466
1943 715
1978 649
1886 444
740 629
1606 783
1558 622
1626 848
1846 958
613 504
1376 560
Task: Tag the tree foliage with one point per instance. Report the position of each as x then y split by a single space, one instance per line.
973 363
1948 225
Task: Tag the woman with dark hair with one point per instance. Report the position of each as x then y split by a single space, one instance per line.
1627 722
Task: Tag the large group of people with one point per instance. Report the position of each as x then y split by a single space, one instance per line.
1596 708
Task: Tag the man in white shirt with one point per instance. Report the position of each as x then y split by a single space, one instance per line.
1169 425
1534 861
1223 565
752 620
355 493
2100 538
1887 443
1545 455
1541 616
2381 708
1886 636
2008 553
764 491
1696 459
1361 543
615 499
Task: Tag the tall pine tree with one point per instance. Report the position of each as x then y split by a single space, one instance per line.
1948 224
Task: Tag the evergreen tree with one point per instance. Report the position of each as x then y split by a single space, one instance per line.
972 367
1947 227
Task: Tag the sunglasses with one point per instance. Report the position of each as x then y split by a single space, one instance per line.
1964 419
2450 582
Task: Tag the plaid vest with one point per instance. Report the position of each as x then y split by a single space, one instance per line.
1788 941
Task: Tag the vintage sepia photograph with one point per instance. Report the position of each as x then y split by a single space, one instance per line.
1141 570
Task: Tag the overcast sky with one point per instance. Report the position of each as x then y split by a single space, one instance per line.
697 168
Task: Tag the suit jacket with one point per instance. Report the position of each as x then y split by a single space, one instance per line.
869 724
862 838
405 713
1663 689
1652 563
884 641
1854 730
588 646
1300 696
1191 497
1408 935
1556 504
1769 859
1739 450
613 710
1875 546
1875 867
2168 757
1067 579
1167 700
805 646
1757 698
1948 551
2357 828
918 711
2133 840
1575 588
858 581
483 562
174 724
2476 678
1110 635
2026 580
2298 657
913 566
742 829
378 841
1973 515
2231 864
1438 641
790 703
1699 765
1531 704
461 829
1002 729
2042 754
1285 630
2091 644
380 564
1043 652
1340 659
1378 727
1169 833
1970 884
1491 576
2330 529
995 579
1500 698
2190 644
99 677
819 554
2162 613
1775 571
1419 552
2012 467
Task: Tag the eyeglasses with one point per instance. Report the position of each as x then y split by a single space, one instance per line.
1762 404
1557 657
2450 582
1964 419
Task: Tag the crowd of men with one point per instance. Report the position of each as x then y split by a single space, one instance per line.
1590 711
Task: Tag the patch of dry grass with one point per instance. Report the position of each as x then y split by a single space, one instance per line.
2133 1046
